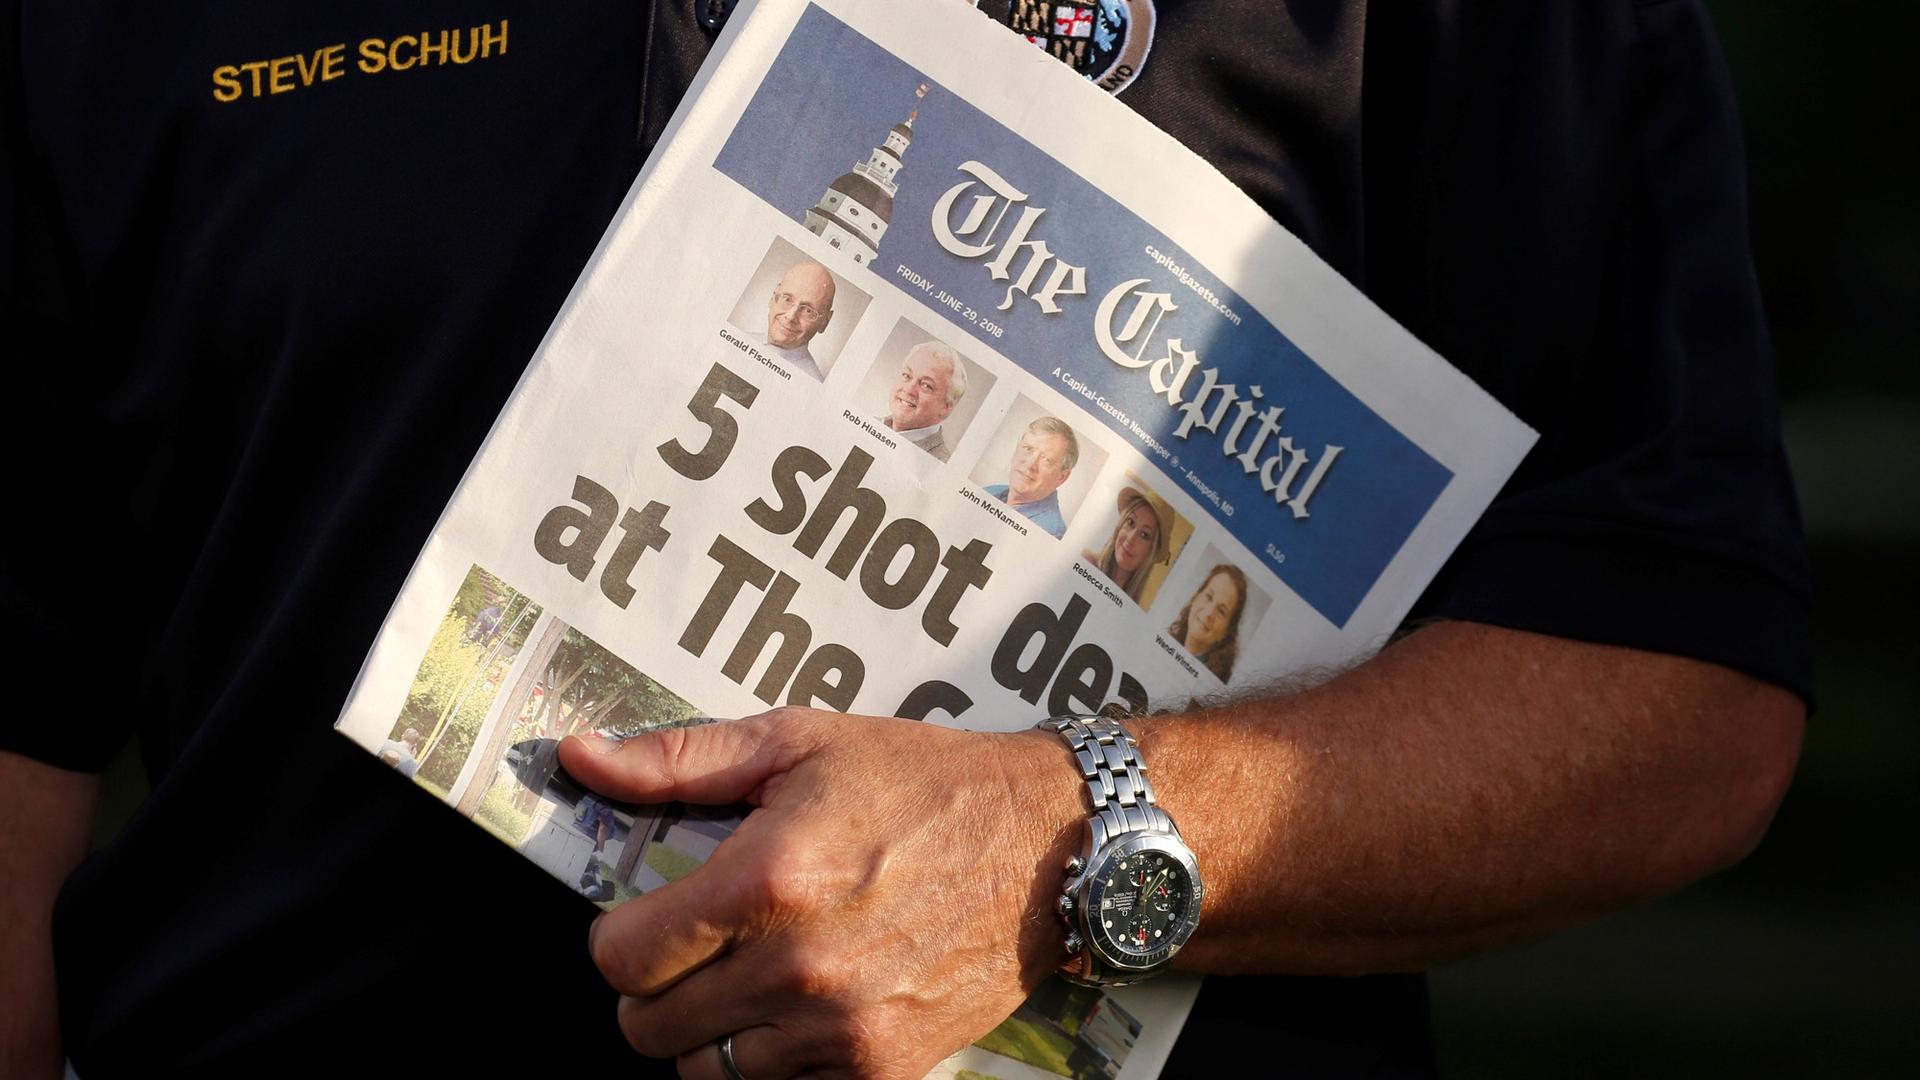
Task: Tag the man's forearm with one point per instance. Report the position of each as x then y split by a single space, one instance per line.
891 896
49 815
1468 786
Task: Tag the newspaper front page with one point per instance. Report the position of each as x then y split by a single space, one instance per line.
917 376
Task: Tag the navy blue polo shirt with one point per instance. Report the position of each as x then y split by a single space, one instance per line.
271 271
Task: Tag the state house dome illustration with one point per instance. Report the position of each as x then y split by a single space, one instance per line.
853 212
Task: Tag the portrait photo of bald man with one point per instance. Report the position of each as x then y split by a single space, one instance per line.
797 312
923 390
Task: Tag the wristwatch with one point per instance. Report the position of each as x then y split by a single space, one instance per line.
1132 896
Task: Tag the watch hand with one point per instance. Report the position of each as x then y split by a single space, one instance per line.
1156 883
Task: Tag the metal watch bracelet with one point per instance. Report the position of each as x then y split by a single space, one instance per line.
1117 785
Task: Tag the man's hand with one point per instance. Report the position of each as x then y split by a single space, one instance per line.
884 904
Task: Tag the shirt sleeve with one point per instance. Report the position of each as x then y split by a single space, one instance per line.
1590 265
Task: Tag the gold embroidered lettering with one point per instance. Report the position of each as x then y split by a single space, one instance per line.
432 45
253 68
488 40
393 54
280 75
473 46
226 83
429 48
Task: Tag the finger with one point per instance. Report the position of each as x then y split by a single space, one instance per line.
746 987
654 940
706 1005
710 764
759 1053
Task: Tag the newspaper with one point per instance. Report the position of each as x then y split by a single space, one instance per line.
917 376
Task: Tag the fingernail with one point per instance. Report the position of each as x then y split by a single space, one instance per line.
601 744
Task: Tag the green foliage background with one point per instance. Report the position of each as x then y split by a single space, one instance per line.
456 671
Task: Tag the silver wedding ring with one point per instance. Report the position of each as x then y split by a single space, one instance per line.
727 1066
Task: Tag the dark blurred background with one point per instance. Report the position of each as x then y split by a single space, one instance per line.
1799 962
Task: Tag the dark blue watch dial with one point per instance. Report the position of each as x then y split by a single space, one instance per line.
1143 899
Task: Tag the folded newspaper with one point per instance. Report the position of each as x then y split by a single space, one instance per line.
887 391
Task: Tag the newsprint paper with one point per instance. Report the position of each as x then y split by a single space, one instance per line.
917 376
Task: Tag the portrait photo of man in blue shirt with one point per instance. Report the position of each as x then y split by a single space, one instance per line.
1042 461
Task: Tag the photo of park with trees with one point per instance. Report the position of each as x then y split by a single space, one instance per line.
502 683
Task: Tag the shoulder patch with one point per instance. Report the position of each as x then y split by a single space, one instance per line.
1105 40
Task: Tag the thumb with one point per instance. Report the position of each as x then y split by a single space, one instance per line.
709 764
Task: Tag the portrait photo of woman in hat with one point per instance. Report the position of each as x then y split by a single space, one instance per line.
1146 537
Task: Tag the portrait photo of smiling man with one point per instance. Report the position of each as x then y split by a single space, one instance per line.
1039 465
929 384
797 312
923 390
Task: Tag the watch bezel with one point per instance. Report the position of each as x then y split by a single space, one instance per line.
1092 889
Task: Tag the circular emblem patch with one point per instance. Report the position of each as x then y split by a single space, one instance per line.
1105 40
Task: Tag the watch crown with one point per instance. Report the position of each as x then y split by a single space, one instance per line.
1075 866
1074 944
1065 904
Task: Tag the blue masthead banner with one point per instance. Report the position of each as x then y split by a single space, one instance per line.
1026 255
